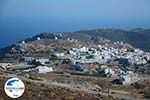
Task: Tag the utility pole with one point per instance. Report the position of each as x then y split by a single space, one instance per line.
108 84
145 72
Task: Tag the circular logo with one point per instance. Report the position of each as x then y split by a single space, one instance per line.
14 88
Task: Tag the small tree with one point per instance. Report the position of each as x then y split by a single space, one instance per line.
147 92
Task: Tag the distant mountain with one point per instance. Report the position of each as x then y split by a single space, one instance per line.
139 38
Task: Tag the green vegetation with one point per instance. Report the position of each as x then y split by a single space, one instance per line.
89 56
137 85
35 78
146 92
66 61
50 93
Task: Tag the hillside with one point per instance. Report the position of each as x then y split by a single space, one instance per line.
138 38
80 61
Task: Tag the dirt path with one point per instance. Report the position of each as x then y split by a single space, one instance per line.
68 86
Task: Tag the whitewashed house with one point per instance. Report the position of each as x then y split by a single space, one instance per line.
38 38
126 80
28 59
42 61
56 38
109 71
129 77
59 54
83 49
104 66
43 69
23 42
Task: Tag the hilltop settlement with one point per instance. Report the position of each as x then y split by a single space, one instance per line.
90 63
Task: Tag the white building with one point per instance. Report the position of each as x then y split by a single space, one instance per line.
59 54
104 66
126 79
42 61
23 42
56 38
83 49
129 78
38 38
109 71
44 69
28 59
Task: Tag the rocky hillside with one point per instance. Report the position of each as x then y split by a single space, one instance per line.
139 38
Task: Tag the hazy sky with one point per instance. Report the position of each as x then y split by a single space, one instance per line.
23 18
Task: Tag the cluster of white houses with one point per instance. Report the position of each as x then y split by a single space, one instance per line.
102 55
